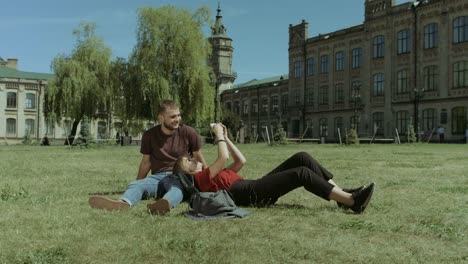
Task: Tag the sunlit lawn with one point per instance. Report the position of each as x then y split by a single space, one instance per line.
419 212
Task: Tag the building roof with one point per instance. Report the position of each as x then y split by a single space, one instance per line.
6 72
255 82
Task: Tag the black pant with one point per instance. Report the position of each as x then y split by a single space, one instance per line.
300 170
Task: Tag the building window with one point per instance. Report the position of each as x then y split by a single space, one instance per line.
323 127
297 69
102 129
30 102
29 127
339 93
310 66
284 104
431 78
354 122
379 46
402 118
356 53
458 120
338 126
228 106
402 82
67 127
355 90
430 36
11 100
50 125
323 95
378 87
309 96
460 29
324 64
11 126
255 106
403 42
460 74
378 123
339 61
264 105
428 116
237 107
297 98
274 104
246 107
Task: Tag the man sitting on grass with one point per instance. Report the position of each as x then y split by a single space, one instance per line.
161 146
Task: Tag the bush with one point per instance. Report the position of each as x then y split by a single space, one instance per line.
352 137
279 137
411 134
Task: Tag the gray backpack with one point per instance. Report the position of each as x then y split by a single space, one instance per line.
218 203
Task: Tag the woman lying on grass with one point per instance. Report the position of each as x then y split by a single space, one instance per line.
300 170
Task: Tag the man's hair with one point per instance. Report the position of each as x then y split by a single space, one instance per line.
166 104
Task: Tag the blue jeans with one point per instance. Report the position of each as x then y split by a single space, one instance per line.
152 187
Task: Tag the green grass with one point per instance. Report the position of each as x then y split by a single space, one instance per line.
419 212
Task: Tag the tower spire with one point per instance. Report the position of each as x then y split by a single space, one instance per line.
218 28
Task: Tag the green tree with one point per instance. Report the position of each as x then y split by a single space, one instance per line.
232 121
170 60
127 102
80 86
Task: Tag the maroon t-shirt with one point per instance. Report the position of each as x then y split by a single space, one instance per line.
164 150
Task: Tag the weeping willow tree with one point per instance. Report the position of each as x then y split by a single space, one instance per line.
127 101
80 86
170 59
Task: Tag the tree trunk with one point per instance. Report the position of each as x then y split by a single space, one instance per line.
71 137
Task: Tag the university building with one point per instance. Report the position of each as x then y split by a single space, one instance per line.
406 64
22 104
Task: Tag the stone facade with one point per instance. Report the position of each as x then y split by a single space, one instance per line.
405 65
21 109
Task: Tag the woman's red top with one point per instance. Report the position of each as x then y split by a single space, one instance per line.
222 181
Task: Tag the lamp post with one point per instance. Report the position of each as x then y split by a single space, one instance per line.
356 99
417 93
215 80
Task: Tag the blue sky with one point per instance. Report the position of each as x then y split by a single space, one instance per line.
35 31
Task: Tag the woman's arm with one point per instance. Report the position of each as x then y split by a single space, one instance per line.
199 157
223 154
237 156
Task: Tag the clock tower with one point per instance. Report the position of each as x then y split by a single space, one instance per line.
221 57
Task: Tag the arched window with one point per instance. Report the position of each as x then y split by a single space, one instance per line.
431 78
338 125
460 74
460 29
30 102
402 82
378 123
102 129
429 121
378 87
402 118
323 127
403 41
430 35
29 130
458 120
11 100
11 126
378 44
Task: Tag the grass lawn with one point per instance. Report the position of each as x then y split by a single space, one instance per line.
419 212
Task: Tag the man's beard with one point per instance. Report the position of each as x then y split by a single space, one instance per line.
170 125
